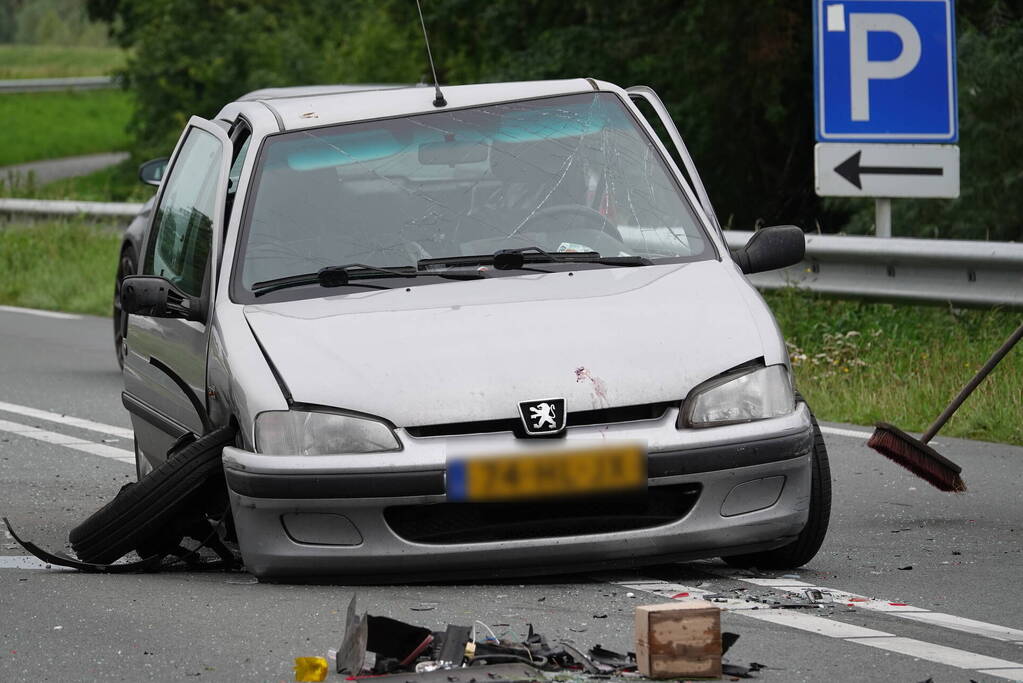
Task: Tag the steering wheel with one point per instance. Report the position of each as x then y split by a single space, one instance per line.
604 224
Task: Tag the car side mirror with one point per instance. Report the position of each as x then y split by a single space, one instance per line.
151 172
771 248
157 297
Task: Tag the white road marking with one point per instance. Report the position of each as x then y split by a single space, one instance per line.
937 653
66 420
850 633
102 450
838 431
973 626
773 583
1011 674
25 562
899 609
808 622
41 313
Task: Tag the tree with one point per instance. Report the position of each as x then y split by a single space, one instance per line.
736 77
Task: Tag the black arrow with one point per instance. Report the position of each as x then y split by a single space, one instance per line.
851 170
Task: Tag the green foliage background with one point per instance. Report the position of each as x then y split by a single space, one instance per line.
736 76
49 22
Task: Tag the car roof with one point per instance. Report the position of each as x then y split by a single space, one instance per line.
314 90
303 107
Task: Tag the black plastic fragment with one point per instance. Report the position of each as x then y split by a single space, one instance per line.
392 638
452 650
62 560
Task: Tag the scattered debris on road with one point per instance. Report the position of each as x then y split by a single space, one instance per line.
673 640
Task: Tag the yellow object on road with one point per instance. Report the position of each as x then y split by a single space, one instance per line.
310 668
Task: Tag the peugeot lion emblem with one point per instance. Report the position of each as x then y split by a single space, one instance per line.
544 416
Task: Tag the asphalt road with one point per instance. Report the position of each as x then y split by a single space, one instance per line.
952 565
50 170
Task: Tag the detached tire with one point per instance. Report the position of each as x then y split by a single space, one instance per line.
806 545
141 511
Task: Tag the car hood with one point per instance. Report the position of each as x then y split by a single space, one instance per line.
468 351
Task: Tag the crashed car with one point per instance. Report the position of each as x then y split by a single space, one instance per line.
502 335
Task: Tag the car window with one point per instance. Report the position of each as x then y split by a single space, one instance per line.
241 144
566 174
182 229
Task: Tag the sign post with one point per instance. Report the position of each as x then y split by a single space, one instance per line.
885 101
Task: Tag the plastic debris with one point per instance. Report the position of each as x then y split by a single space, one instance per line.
818 596
391 651
310 668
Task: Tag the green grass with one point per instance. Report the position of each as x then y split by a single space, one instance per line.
118 183
862 362
52 61
83 282
62 124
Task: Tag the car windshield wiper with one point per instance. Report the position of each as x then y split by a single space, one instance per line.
342 276
515 259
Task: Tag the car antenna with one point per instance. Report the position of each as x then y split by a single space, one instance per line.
439 100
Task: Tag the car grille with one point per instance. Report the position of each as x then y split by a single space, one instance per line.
446 523
646 411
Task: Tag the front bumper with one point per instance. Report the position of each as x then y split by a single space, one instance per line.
328 515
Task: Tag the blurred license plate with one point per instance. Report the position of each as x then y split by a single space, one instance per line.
520 477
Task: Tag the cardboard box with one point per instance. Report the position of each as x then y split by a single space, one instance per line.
679 639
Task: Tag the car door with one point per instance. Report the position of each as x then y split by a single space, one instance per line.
164 356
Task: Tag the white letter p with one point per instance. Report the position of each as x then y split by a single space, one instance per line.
862 70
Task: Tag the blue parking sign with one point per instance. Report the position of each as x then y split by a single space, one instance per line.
884 71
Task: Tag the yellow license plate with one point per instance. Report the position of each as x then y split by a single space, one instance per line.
548 475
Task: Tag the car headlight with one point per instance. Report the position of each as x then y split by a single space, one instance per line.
755 394
300 432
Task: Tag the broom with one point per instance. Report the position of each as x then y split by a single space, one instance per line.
919 458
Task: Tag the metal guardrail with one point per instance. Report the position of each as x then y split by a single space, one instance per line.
53 207
958 272
49 84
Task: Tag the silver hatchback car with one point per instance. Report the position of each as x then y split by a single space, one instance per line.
501 336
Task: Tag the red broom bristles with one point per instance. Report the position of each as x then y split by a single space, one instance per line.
917 457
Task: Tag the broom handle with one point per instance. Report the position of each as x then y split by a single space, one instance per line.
972 384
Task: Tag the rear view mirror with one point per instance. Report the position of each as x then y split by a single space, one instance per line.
151 172
771 248
451 153
157 297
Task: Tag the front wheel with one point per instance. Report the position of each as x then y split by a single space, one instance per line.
806 545
142 514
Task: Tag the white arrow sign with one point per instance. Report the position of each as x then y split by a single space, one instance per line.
886 170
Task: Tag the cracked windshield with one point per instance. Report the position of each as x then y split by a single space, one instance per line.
565 174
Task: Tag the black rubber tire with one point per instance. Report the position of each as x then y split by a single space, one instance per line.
143 509
126 266
805 547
